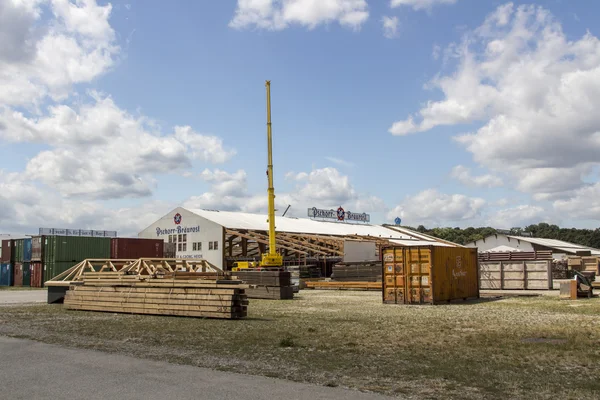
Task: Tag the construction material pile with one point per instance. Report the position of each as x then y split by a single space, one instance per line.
589 266
179 287
368 271
272 285
302 272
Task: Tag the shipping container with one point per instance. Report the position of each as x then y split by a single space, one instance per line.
18 274
36 248
6 274
17 255
169 250
37 274
133 248
7 251
429 274
27 250
50 270
27 274
74 248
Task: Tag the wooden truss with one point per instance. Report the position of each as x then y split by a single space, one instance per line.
149 267
243 244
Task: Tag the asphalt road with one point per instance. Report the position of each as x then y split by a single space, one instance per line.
23 296
32 370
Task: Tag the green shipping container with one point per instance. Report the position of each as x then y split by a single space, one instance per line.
56 268
74 248
26 274
17 255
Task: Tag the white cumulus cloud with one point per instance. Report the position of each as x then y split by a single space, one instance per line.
280 14
463 175
533 91
390 26
519 216
322 188
431 207
420 4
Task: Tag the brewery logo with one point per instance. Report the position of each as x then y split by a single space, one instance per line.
340 214
177 218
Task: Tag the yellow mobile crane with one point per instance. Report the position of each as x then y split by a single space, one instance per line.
272 259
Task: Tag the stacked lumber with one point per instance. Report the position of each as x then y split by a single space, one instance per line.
357 272
516 256
272 285
333 285
589 266
191 294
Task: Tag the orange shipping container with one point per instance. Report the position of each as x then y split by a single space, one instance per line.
429 274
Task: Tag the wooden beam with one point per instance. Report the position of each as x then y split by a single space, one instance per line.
261 242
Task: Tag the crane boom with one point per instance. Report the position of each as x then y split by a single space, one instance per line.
272 259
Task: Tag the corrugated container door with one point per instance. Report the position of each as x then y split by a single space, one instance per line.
47 271
114 248
18 256
37 274
18 274
394 290
418 275
7 250
6 274
26 274
455 275
27 250
36 248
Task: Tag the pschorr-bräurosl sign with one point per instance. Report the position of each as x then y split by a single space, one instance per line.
179 229
340 214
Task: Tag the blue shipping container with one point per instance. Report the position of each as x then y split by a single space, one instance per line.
27 250
6 274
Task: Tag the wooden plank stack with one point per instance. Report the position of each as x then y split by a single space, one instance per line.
161 286
272 285
516 256
588 266
357 272
190 294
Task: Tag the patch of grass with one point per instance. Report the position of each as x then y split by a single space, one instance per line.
287 342
539 347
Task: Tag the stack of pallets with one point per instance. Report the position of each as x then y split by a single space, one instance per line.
357 272
191 294
272 285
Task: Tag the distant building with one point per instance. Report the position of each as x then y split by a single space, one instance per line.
504 243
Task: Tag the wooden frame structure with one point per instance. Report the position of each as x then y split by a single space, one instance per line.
296 248
149 267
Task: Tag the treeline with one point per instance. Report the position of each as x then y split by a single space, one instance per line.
585 237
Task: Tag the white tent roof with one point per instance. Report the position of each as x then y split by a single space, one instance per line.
239 220
557 244
420 243
500 249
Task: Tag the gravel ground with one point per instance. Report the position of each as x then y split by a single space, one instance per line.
22 296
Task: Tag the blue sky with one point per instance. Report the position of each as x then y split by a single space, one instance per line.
337 90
